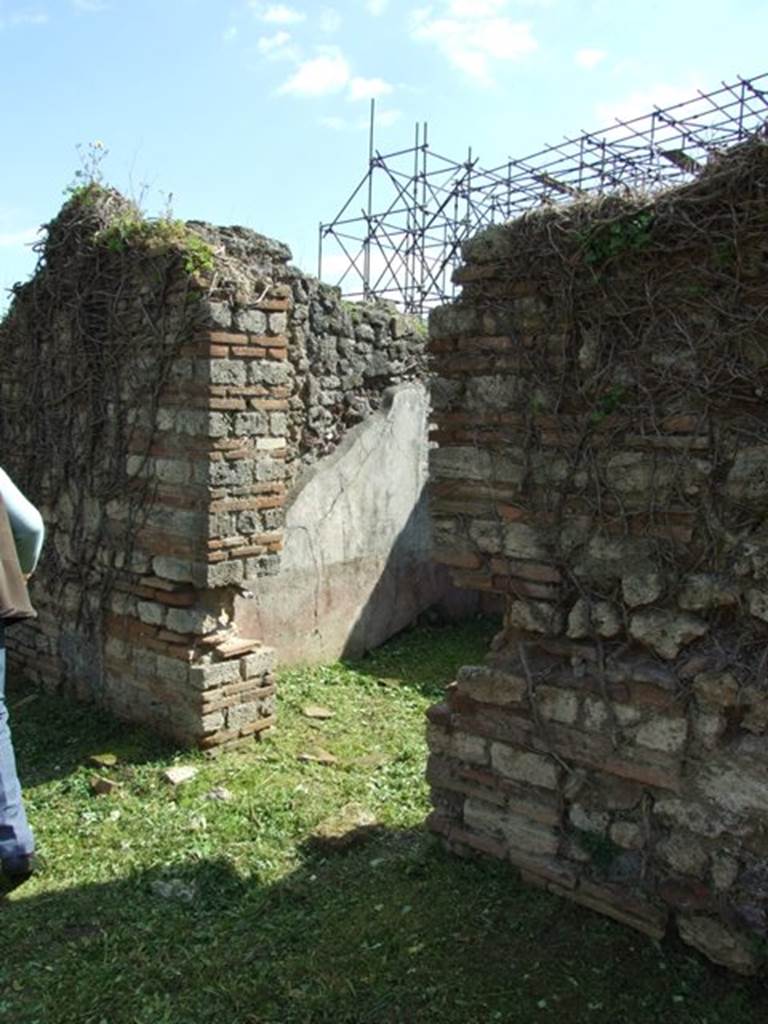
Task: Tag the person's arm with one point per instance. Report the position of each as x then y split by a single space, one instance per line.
26 524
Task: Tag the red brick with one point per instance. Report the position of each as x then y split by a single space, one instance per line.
479 364
486 343
259 725
483 844
473 580
457 559
523 588
440 715
249 551
622 907
493 724
513 513
251 352
225 542
158 542
682 424
438 823
441 345
173 599
271 404
227 338
477 272
543 871
218 738
215 351
247 504
226 404
536 572
180 639
688 894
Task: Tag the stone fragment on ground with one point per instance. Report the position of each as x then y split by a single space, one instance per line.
100 785
374 759
174 889
318 712
180 774
351 826
220 793
29 699
318 756
106 760
718 942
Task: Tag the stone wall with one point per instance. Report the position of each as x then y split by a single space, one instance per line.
603 464
342 357
164 388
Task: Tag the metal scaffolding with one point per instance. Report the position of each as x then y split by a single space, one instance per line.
418 207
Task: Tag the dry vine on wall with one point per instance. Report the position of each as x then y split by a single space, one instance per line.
600 400
88 347
642 372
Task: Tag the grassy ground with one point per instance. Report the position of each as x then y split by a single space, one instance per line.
163 906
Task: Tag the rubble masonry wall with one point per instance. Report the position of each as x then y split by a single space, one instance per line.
600 409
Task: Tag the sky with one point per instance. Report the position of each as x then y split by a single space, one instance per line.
256 113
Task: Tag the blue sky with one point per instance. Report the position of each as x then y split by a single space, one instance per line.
255 112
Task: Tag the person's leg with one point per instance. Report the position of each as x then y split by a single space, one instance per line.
16 842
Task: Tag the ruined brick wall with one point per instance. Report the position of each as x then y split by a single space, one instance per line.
603 464
342 356
117 423
163 386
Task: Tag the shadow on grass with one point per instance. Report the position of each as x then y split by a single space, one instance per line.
426 658
388 930
54 736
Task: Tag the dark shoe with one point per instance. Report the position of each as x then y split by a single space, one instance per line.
15 872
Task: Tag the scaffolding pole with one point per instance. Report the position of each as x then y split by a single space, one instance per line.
406 246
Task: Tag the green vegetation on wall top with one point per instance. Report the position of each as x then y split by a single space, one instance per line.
131 228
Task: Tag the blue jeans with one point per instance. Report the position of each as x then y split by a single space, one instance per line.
15 834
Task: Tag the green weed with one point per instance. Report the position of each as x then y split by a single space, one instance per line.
626 234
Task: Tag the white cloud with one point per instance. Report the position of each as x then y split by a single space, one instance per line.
643 101
336 124
589 58
229 34
475 8
278 46
368 88
376 7
266 44
473 35
330 20
277 14
321 76
29 18
89 6
13 239
386 118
